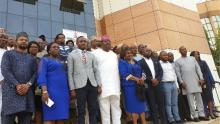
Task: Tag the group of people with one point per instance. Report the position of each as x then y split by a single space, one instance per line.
42 78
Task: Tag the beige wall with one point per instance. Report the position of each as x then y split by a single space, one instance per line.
158 24
209 8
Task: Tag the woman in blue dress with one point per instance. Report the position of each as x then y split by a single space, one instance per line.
52 79
131 75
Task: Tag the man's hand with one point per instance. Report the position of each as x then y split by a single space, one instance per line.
73 94
183 85
22 89
26 87
154 82
201 82
99 90
45 96
141 81
19 89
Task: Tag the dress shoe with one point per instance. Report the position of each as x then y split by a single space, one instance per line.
196 120
189 119
204 118
179 122
216 115
212 116
172 122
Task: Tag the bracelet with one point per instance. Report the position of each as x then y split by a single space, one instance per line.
44 92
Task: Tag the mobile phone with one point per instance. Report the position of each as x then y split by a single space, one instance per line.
49 103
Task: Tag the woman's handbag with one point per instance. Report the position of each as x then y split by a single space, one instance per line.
140 92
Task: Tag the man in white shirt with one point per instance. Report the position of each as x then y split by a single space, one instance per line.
3 45
109 99
170 88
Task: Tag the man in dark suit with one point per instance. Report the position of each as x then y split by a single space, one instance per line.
154 94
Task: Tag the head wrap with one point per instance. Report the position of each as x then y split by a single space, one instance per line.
105 38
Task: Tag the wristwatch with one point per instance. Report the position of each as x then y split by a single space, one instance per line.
29 83
44 92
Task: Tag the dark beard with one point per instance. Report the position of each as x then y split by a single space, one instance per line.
23 47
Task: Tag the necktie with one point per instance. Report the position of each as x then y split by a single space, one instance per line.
84 56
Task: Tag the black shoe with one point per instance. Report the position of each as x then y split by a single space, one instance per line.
189 119
216 115
179 122
172 122
212 116
204 118
196 120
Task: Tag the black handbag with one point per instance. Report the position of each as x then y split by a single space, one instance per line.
140 92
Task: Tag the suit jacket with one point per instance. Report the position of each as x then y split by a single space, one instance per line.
157 67
79 72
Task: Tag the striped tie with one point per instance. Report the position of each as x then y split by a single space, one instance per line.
84 56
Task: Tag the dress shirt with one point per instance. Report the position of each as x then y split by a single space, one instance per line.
151 66
168 72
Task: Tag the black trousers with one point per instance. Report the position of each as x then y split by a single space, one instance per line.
183 106
156 100
23 118
87 94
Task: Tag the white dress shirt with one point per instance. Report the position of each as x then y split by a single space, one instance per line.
168 73
151 66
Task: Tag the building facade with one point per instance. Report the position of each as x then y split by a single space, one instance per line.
47 17
209 12
160 24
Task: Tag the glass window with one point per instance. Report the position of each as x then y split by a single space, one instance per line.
216 24
30 25
79 19
15 23
44 1
15 4
55 2
30 10
56 28
56 14
91 32
209 35
80 29
90 22
69 26
44 27
32 38
203 21
218 18
207 20
213 18
209 26
68 18
206 28
88 7
212 34
44 11
3 5
2 20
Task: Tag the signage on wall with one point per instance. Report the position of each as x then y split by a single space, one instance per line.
72 35
2 31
